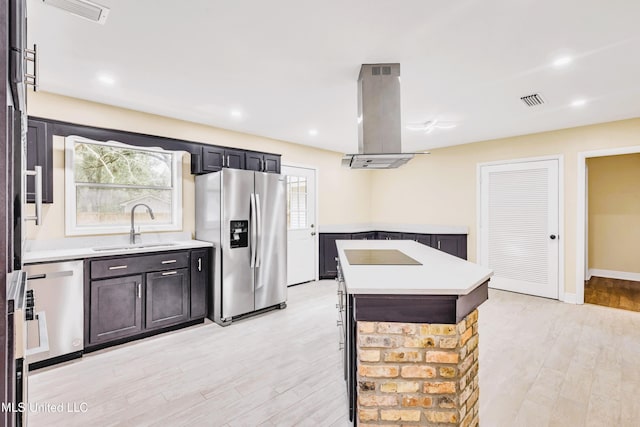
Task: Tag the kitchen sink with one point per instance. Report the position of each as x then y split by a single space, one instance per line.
130 247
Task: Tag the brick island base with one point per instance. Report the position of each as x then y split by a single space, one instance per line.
417 374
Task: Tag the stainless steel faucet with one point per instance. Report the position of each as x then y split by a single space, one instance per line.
132 233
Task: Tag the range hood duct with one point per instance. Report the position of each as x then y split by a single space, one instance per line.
379 119
83 8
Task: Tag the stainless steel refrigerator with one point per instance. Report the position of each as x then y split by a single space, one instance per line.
243 213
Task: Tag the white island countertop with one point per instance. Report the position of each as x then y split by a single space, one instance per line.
439 274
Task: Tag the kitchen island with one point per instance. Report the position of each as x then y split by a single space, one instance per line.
409 316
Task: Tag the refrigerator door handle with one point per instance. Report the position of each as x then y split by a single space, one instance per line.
254 230
259 223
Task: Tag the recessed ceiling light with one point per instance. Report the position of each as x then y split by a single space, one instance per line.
579 103
313 132
236 113
562 61
106 79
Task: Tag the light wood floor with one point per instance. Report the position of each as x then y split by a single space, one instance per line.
542 363
616 293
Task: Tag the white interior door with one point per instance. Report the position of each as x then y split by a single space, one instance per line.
519 221
301 224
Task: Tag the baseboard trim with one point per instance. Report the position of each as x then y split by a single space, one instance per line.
612 274
570 298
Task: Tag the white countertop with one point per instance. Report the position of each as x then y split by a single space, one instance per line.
85 247
398 228
439 274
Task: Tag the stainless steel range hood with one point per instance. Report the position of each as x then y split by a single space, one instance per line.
379 120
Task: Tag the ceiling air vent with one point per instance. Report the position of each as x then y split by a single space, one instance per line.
533 100
82 8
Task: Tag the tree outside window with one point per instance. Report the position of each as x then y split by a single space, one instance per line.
105 180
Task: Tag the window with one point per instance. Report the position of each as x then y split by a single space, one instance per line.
296 202
104 180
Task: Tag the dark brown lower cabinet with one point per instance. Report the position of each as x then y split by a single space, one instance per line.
389 235
329 252
453 244
199 280
167 298
425 239
116 308
127 297
367 235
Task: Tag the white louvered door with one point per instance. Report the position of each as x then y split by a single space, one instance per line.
519 226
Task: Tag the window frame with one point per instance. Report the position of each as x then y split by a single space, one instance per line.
298 212
71 226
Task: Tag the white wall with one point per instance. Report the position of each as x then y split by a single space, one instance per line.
614 213
344 195
440 188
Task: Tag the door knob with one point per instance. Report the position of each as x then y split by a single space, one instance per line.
553 237
313 233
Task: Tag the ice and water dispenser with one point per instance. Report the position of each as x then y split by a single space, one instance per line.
239 234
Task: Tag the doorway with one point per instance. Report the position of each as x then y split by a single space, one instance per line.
582 252
519 225
302 239
613 231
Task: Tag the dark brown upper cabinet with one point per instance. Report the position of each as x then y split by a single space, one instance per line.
40 153
262 162
215 158
209 158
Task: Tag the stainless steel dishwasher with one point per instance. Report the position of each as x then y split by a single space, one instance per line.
58 333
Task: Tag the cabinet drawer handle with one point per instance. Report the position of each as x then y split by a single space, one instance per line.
169 261
438 244
199 264
139 290
118 267
169 273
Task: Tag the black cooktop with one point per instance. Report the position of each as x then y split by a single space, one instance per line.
378 257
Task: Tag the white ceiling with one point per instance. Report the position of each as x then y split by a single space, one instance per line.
291 65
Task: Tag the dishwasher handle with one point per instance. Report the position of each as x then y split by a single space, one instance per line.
43 336
52 275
